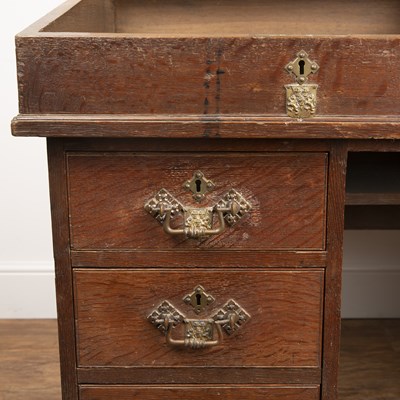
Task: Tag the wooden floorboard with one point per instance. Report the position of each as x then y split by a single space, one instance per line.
369 363
29 363
370 360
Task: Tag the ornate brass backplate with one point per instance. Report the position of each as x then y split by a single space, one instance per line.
198 333
234 314
301 100
157 205
165 316
243 206
198 222
301 97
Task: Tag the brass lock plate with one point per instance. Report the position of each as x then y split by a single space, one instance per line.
301 97
199 185
198 299
302 67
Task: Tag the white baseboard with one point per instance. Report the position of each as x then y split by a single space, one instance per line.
27 291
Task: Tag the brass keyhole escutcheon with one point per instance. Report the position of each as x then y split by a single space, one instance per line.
198 299
301 97
199 185
302 67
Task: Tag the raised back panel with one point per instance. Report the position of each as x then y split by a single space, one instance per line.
234 17
86 16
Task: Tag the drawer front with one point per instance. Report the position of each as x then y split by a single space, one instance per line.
286 191
199 393
281 328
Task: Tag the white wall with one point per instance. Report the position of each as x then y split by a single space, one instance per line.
26 272
372 259
371 274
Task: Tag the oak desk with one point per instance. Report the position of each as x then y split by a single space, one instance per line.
197 161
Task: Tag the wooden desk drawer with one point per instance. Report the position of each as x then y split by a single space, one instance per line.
287 193
282 327
198 393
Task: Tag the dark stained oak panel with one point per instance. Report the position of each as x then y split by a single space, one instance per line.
199 392
202 375
108 191
243 126
284 330
150 75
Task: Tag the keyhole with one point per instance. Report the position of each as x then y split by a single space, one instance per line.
198 299
198 185
301 66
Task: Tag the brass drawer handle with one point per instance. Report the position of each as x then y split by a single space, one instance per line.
198 221
204 337
198 333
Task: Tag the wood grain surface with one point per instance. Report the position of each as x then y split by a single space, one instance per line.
198 375
255 17
185 259
284 330
230 17
214 126
29 368
198 392
83 16
287 192
124 74
29 361
63 272
333 276
370 360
